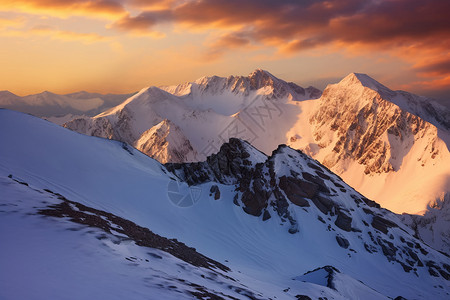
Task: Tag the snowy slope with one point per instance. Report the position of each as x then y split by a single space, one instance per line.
391 146
209 111
313 220
61 108
434 226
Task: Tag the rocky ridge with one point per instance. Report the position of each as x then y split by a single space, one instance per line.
288 184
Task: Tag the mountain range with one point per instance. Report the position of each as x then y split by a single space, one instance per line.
392 146
61 108
87 217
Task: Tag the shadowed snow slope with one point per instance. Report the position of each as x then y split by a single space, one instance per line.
304 218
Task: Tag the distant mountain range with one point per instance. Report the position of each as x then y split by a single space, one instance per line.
61 108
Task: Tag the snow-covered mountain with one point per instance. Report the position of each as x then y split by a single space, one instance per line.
79 211
61 108
207 111
391 146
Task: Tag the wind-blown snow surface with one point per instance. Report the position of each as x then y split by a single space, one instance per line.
263 256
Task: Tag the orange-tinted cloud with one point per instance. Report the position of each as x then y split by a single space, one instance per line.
415 31
11 22
97 8
225 43
418 28
306 24
143 23
66 35
53 33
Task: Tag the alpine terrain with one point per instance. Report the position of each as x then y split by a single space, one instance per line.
392 146
86 217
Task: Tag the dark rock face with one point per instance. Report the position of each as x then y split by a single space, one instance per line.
260 187
216 191
331 273
382 224
324 204
258 184
344 243
266 215
343 221
229 166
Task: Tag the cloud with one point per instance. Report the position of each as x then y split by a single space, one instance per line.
65 8
306 24
66 35
143 23
8 22
435 68
416 31
224 43
56 34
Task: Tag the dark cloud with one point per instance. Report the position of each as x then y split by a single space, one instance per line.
142 22
437 68
225 43
308 24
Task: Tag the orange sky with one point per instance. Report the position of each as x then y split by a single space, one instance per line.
124 45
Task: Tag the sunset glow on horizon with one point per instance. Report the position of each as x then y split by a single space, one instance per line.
121 46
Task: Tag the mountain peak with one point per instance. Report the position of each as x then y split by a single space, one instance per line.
260 73
363 80
7 93
166 142
240 149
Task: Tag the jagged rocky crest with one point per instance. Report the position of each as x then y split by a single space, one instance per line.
243 85
189 107
288 184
